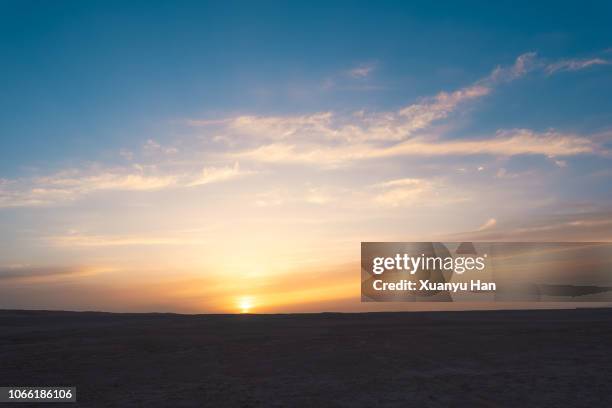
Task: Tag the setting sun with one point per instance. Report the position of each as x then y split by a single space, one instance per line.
245 304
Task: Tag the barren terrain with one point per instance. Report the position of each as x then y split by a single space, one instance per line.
471 359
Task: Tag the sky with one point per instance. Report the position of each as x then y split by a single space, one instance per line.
220 157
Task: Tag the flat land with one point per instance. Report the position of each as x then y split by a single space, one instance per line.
540 358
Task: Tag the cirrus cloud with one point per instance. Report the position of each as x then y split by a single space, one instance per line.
69 185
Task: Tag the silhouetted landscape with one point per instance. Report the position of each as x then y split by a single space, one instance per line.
425 359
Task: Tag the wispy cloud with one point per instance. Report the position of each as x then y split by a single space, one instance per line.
331 139
69 185
574 65
505 143
402 192
359 126
309 194
523 64
365 126
131 179
421 115
590 226
38 274
490 223
362 70
152 146
413 192
217 174
82 240
324 139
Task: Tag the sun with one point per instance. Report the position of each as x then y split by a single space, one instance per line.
245 304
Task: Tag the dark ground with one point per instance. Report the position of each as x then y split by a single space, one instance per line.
471 359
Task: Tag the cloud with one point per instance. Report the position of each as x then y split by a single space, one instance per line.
324 139
580 227
118 179
413 192
331 139
522 65
153 147
217 174
574 65
530 62
402 192
362 70
297 194
421 115
279 127
38 274
363 126
490 223
126 154
80 240
394 126
273 198
69 185
505 143
360 126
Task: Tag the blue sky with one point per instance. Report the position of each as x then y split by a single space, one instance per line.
80 77
141 135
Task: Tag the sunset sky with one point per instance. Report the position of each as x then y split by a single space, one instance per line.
230 157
